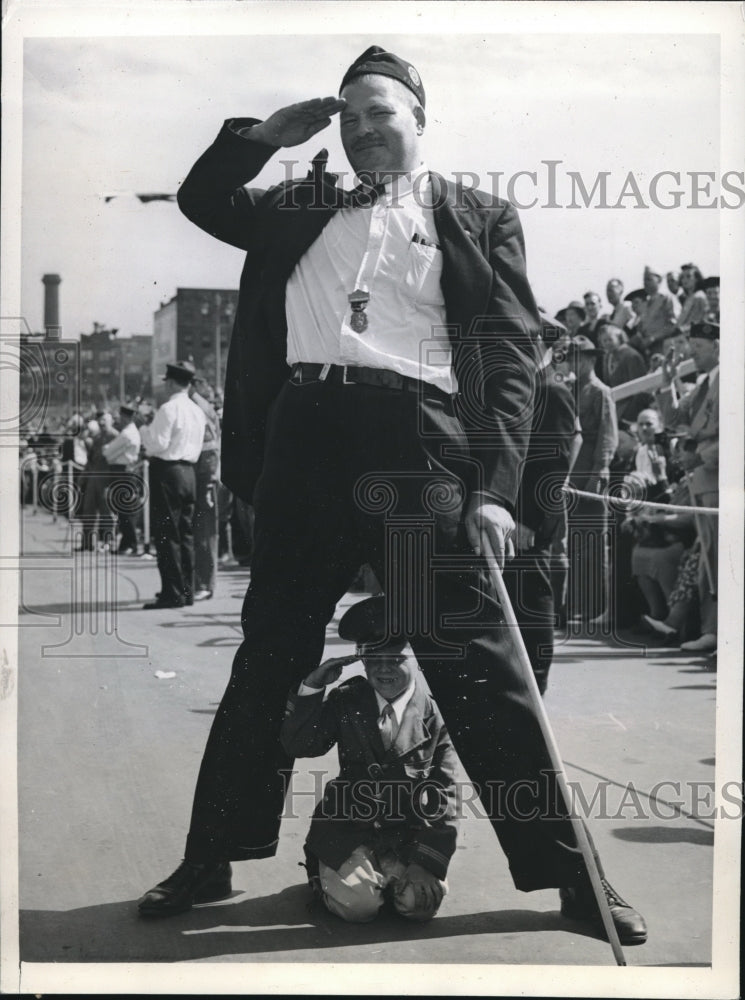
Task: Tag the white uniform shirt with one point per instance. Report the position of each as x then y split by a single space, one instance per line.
177 431
390 251
125 448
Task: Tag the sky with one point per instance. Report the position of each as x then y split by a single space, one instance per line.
107 114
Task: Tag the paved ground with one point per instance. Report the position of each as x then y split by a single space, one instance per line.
111 729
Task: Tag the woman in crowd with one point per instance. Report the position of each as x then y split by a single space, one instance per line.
695 304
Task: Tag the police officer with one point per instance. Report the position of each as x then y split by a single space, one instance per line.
173 442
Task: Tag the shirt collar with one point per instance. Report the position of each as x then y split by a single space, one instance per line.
402 185
400 703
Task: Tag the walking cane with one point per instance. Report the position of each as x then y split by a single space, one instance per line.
580 833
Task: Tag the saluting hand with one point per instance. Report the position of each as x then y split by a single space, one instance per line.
329 671
297 123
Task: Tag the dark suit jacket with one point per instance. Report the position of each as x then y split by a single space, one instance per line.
410 788
491 313
540 504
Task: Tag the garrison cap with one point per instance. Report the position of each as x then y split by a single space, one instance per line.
365 623
377 60
649 272
704 331
180 371
638 293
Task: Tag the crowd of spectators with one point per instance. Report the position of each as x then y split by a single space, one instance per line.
91 467
647 569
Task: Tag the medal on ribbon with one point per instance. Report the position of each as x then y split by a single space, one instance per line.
358 301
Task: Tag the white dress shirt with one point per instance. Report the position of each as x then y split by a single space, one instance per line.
374 250
398 705
125 448
177 431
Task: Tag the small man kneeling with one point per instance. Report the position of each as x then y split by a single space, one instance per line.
386 828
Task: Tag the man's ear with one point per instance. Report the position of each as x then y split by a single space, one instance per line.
421 119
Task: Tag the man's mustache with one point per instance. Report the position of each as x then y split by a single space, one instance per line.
365 143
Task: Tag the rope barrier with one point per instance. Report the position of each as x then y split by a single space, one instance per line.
668 508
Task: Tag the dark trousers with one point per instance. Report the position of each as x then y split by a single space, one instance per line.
528 581
356 474
96 509
206 525
588 544
125 499
172 498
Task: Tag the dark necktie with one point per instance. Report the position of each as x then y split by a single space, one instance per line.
386 723
364 196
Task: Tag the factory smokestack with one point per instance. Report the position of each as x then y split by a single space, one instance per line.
51 306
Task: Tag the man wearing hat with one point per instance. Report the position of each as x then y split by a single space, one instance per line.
588 518
362 317
695 418
173 442
386 827
572 317
659 315
96 512
121 454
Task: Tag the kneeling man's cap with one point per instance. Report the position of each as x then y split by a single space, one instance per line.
364 623
377 60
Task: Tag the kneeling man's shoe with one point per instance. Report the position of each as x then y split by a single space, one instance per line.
190 883
579 903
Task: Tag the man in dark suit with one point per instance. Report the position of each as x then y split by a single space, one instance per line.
360 318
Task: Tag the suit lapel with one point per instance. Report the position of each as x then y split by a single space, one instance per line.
466 275
413 730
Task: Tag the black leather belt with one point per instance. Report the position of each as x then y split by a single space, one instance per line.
307 371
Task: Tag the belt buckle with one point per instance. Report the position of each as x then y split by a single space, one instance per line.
344 379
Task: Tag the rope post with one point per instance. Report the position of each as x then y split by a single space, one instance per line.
146 505
580 833
71 501
34 487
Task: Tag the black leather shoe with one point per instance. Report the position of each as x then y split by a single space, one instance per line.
189 884
579 903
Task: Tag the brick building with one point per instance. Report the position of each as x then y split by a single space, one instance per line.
114 369
195 325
